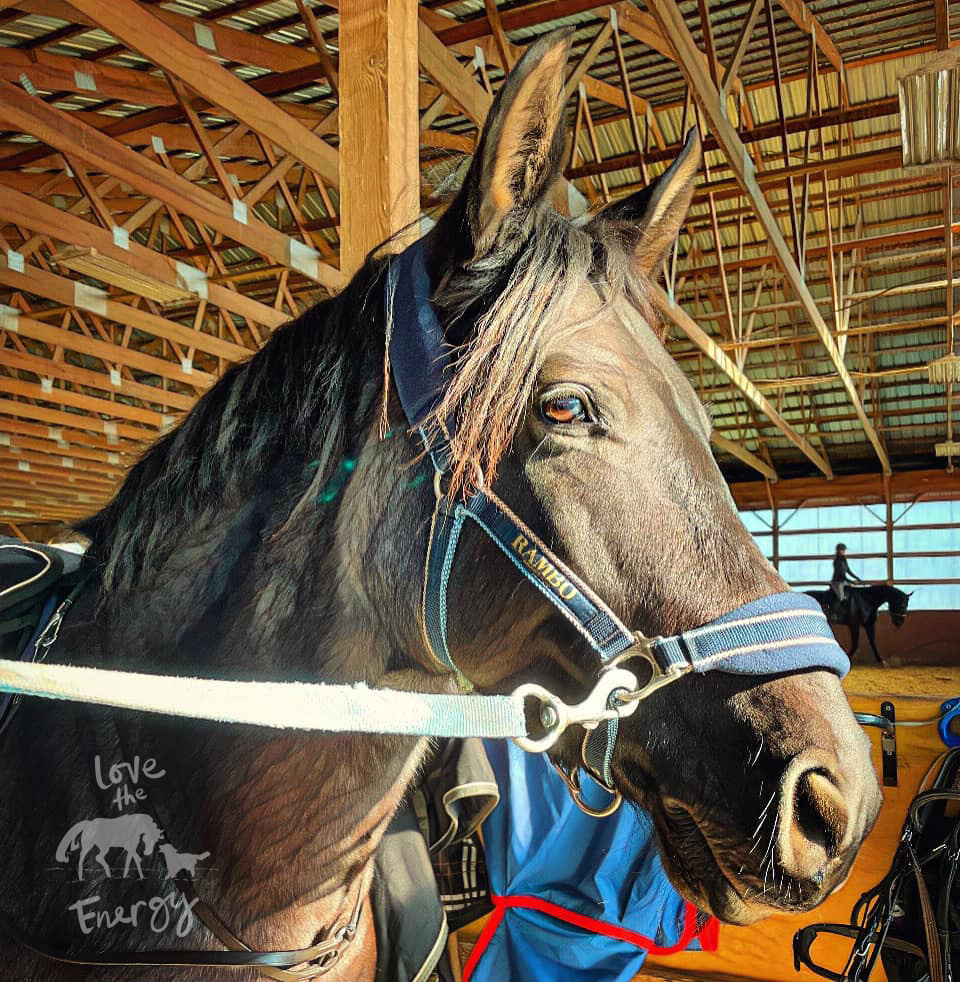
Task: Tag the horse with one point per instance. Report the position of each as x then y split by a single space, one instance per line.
103 834
279 532
859 609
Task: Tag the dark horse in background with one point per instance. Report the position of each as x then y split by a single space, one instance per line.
859 609
277 534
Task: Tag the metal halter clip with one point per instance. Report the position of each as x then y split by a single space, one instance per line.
556 715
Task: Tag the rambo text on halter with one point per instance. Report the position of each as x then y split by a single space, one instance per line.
777 634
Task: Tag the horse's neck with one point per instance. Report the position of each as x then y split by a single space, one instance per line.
882 593
291 821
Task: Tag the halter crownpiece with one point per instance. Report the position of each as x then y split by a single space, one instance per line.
781 633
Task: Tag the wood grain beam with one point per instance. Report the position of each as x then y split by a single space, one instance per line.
81 400
109 353
141 31
75 375
744 455
27 211
225 42
83 421
62 73
69 436
71 293
682 320
806 20
691 63
59 130
379 132
451 77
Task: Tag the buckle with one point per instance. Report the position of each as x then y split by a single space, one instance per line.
572 781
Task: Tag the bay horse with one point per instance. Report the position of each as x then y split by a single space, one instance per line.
859 609
279 533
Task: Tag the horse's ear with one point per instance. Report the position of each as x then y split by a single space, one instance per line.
660 209
520 153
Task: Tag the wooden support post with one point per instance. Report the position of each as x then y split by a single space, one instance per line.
379 136
774 525
888 501
951 296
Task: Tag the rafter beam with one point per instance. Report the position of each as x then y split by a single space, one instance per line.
80 400
682 320
806 20
112 354
452 78
691 63
82 421
141 31
72 293
744 455
40 217
62 437
227 43
58 129
75 375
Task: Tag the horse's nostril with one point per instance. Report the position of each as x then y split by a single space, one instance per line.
820 813
813 824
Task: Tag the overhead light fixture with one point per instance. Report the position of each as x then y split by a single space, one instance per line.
930 111
89 262
945 370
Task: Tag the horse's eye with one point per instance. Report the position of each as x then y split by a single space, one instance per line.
563 409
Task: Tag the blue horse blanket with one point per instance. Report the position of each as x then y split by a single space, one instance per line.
575 897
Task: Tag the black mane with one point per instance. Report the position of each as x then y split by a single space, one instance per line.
307 395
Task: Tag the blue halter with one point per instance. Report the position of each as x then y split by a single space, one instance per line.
777 634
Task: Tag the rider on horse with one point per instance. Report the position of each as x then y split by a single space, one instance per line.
842 574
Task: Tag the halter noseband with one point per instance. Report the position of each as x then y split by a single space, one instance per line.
777 634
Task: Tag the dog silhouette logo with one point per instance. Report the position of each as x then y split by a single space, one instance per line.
180 861
124 832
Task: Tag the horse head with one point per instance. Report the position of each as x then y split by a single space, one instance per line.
152 834
898 603
567 401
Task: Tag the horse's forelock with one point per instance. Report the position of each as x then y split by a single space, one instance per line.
517 303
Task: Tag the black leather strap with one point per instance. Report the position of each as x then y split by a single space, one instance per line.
314 961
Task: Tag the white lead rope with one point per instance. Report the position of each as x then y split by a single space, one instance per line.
282 705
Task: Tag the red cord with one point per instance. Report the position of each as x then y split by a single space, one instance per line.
708 934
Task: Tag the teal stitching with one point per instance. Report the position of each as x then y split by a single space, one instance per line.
459 515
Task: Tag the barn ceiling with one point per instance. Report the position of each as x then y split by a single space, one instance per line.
169 195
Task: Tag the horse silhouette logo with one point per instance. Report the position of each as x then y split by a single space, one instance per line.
177 861
103 834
